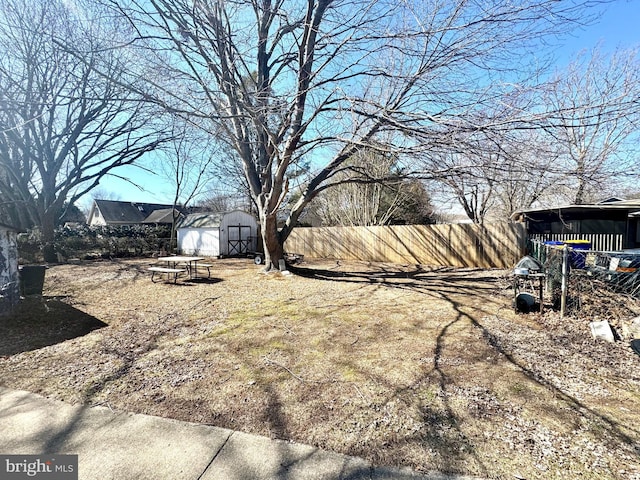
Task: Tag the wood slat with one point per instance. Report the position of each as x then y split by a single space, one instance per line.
498 245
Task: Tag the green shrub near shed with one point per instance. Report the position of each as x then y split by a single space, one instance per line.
89 242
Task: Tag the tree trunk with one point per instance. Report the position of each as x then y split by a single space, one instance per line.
48 238
578 199
271 241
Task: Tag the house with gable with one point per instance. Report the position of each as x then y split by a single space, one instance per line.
119 213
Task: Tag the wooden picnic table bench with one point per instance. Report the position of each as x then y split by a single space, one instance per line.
168 271
208 266
190 263
193 269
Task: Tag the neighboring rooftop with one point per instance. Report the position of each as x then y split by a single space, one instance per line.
608 204
163 215
115 212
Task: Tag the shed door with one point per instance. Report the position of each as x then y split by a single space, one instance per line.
239 239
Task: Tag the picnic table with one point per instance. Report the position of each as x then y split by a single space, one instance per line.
177 264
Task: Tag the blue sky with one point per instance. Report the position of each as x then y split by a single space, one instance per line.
618 27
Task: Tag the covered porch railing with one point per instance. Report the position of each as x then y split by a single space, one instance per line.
603 242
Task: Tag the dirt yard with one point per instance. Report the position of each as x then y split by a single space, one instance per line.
403 365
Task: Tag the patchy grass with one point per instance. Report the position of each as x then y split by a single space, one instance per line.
403 365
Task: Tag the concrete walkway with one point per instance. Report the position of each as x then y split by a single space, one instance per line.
126 446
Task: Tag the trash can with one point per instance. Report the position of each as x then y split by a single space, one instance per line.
578 253
554 243
31 279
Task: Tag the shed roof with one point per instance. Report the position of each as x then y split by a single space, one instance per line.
208 219
202 220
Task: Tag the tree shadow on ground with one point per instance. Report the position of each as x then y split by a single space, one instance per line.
444 433
38 322
203 280
375 274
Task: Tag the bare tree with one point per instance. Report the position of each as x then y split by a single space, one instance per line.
594 123
187 163
528 174
371 191
500 172
472 180
577 143
62 126
314 81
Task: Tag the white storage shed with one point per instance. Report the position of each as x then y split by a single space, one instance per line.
218 234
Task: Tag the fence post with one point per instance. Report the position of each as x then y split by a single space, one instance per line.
565 278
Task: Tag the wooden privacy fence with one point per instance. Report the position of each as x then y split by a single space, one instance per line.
498 245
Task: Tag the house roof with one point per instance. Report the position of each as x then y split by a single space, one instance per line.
4 226
633 205
114 211
162 215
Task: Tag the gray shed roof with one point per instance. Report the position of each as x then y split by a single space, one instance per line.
202 220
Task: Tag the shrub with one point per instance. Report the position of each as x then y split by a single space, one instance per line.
85 242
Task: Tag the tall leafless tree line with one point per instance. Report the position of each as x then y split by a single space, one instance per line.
295 90
290 82
576 143
63 126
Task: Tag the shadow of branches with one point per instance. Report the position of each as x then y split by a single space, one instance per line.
444 430
38 322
